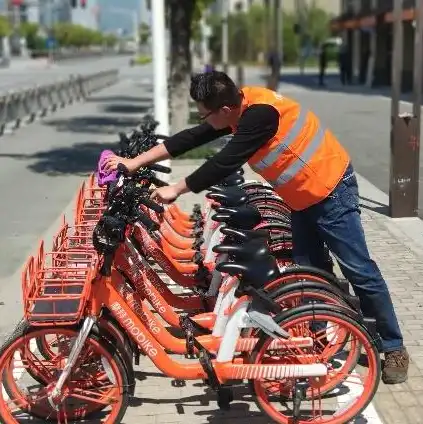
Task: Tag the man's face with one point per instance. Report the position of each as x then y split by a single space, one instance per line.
218 119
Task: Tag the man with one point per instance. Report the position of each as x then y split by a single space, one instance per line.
307 166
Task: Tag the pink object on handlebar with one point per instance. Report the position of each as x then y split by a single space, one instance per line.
103 176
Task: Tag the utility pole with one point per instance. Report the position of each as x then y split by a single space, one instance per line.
224 6
403 183
161 98
417 92
136 30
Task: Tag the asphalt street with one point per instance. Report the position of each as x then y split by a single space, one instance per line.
27 75
41 165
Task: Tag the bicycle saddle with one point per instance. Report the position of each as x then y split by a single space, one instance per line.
234 179
254 250
244 235
245 217
255 274
230 196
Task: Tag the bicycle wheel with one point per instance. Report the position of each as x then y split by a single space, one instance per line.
293 295
106 328
83 393
312 391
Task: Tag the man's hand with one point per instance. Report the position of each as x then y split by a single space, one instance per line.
112 163
166 195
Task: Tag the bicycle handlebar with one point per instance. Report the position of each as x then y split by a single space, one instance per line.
159 168
152 205
158 182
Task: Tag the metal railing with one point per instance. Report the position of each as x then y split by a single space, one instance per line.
25 106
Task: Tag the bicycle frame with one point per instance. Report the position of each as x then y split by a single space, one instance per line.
146 292
105 293
148 283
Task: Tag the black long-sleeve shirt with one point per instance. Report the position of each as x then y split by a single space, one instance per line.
257 125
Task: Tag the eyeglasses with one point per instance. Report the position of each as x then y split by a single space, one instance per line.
203 117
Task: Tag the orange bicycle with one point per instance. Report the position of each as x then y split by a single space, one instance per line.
66 293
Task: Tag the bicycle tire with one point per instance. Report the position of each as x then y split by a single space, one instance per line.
301 312
24 329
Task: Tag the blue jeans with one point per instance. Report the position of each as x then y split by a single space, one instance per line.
336 222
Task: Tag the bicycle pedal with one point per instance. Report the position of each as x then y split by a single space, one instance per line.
224 398
198 232
198 243
136 358
198 258
178 383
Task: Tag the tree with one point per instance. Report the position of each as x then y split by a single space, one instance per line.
183 16
144 33
30 31
5 28
248 33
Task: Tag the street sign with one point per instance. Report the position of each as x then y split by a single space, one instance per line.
50 43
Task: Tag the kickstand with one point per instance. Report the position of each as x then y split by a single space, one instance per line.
298 395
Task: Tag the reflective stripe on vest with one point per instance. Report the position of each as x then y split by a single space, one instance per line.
302 160
292 135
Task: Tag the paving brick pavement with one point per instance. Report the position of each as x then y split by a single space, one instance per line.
401 261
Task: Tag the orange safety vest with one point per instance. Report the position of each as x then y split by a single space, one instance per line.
303 161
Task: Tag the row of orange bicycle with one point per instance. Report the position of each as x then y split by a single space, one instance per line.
96 299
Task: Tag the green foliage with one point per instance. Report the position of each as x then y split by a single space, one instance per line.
248 33
68 35
141 60
110 40
144 33
30 32
71 35
199 8
5 28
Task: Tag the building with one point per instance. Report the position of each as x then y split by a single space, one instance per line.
120 16
366 29
88 16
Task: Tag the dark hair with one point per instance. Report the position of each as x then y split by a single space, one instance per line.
214 90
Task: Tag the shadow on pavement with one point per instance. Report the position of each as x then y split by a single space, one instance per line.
374 206
79 159
93 124
240 407
127 108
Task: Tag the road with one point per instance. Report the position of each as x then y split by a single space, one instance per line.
19 77
43 164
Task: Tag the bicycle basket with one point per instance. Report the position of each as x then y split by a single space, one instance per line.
55 291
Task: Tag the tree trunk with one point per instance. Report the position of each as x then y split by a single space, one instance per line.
180 17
